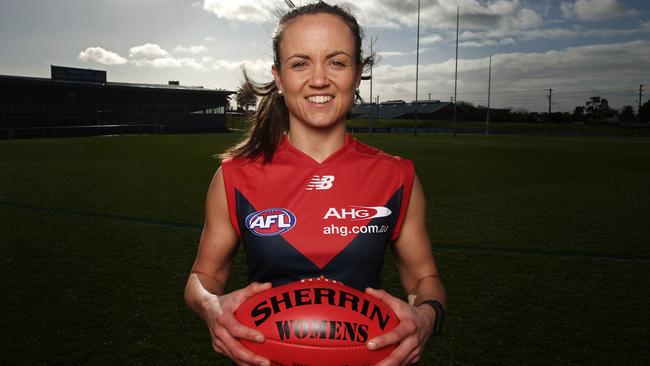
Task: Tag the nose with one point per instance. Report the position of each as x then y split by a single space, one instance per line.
319 77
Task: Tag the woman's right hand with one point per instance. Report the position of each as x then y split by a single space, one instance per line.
218 312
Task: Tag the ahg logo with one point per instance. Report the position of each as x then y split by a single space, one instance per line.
270 222
320 182
357 213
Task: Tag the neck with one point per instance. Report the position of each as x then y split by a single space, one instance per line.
317 143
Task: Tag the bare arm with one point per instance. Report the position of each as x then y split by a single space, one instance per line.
204 292
420 279
412 251
217 248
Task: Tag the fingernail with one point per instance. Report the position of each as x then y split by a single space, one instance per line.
265 363
259 339
372 345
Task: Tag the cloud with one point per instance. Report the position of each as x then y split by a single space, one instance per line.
392 14
646 25
513 36
595 10
256 11
500 14
209 39
147 51
430 39
488 43
191 49
520 79
258 69
386 54
498 22
151 54
171 62
101 56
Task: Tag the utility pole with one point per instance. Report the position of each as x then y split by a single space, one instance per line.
429 96
640 97
453 125
550 96
487 121
417 69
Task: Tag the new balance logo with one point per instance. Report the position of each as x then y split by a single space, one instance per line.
319 182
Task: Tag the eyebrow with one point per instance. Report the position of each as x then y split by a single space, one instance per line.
335 53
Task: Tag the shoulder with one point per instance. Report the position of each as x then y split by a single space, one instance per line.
370 152
238 162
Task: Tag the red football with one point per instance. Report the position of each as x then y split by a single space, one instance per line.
317 322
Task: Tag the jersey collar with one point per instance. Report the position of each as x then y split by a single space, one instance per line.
286 149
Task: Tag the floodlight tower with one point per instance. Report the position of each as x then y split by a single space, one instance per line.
453 125
370 99
487 120
417 69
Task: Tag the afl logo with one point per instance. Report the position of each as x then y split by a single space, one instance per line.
270 222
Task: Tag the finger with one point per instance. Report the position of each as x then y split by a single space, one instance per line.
256 287
384 296
238 330
219 347
413 356
403 330
239 353
250 290
389 361
399 355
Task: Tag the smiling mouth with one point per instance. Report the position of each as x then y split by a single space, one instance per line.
320 99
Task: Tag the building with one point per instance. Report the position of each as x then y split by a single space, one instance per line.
399 109
76 102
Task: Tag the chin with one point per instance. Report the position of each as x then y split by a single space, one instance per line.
327 122
321 122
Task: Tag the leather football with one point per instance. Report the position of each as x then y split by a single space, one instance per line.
317 322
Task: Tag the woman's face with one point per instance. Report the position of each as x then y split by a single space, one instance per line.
318 72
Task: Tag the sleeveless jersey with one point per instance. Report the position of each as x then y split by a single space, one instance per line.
301 219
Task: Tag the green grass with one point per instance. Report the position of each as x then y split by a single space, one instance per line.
542 243
578 128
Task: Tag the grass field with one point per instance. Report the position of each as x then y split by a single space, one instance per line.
543 244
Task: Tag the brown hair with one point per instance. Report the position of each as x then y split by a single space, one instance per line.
271 119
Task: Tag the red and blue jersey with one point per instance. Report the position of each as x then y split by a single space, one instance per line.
299 218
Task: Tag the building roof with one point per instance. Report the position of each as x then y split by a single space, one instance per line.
397 109
48 81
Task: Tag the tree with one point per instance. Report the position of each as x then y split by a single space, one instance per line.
597 109
644 112
579 114
626 114
245 97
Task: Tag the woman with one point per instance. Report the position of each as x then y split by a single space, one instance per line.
308 200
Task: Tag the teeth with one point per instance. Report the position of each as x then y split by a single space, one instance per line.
320 99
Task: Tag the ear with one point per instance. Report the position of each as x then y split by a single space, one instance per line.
276 76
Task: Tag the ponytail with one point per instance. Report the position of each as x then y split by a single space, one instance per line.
269 123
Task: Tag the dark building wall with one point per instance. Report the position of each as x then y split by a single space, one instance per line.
36 103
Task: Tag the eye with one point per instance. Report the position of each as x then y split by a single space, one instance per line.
338 63
298 65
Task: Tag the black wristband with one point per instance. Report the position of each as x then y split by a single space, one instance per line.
440 314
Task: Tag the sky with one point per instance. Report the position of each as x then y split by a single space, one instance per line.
577 48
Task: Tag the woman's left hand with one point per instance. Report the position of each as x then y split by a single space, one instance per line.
411 335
